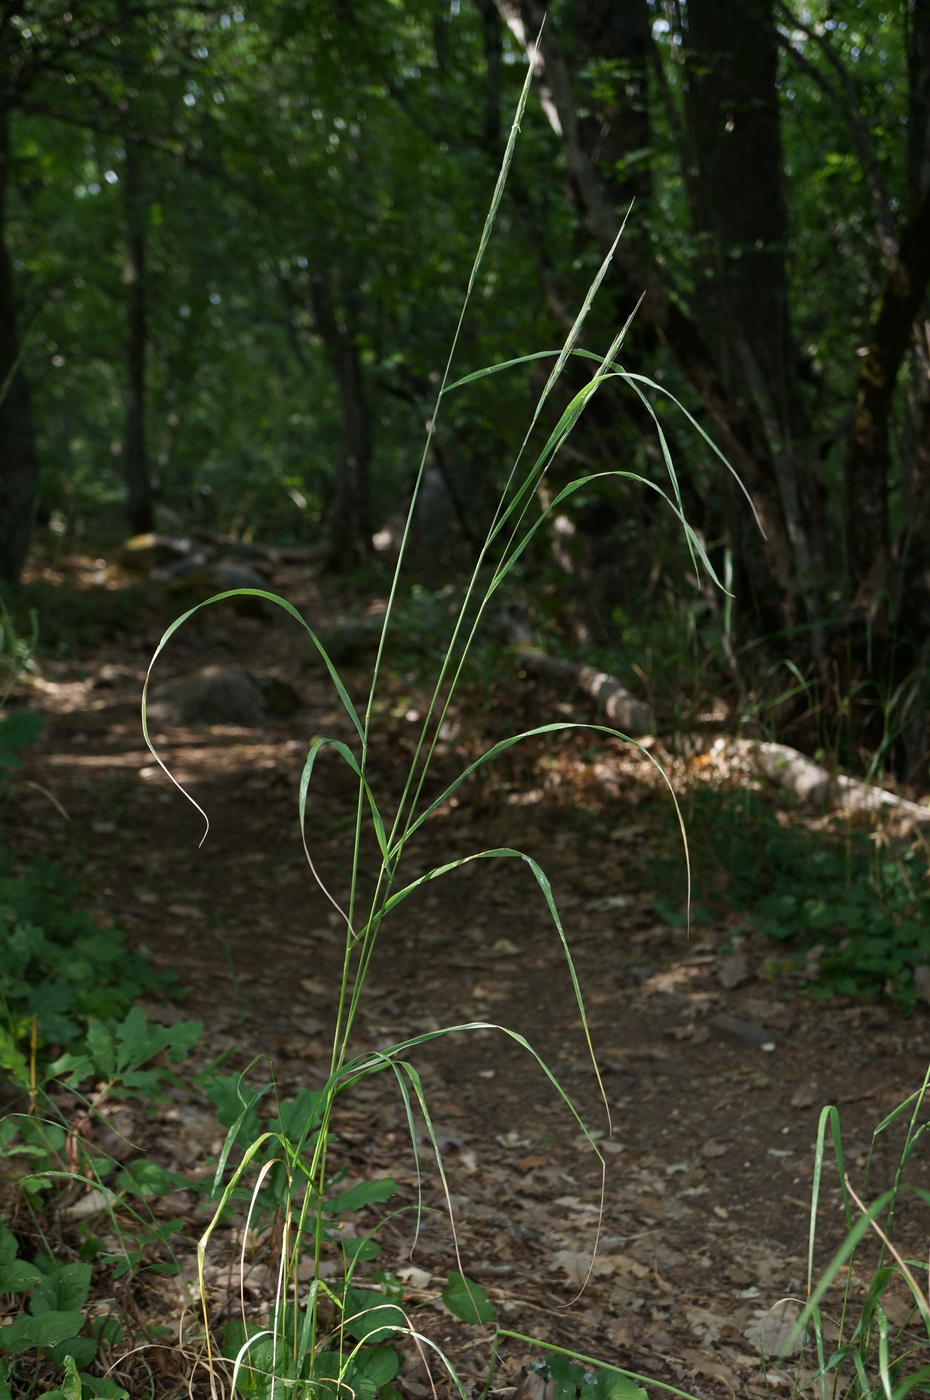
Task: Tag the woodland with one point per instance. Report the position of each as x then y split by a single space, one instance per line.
464 692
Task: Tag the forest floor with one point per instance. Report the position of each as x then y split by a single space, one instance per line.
714 1062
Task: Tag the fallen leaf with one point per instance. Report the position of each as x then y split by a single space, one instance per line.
733 970
708 1325
315 986
534 1385
575 1266
93 1202
772 1330
532 1161
624 1331
622 1265
703 1365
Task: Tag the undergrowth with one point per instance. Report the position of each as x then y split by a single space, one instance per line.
70 627
848 909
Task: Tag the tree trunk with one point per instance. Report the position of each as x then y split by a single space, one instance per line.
899 301
349 516
917 34
139 501
19 466
781 600
139 496
738 203
613 44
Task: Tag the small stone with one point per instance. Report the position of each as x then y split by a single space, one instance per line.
744 1032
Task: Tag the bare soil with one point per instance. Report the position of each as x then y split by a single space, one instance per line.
714 1070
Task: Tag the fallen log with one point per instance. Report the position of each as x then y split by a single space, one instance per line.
809 782
613 699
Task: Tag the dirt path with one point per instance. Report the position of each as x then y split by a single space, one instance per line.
714 1090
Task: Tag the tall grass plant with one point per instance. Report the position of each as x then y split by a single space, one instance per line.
332 1336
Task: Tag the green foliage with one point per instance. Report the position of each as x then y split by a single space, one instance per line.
278 1177
854 913
53 1326
124 1059
18 729
870 1356
58 968
576 1382
117 1051
468 1300
262 1364
68 984
16 652
54 1332
74 619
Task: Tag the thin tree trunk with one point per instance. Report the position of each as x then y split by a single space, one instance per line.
917 33
139 497
349 517
903 291
19 464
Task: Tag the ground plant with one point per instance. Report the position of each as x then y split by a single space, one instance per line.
861 1339
851 911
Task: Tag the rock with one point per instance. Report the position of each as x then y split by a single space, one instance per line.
743 1032
733 969
224 695
143 553
219 576
281 699
177 569
230 574
353 644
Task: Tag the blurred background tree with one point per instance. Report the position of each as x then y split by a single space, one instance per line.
235 241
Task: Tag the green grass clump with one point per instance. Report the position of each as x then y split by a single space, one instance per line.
868 1342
